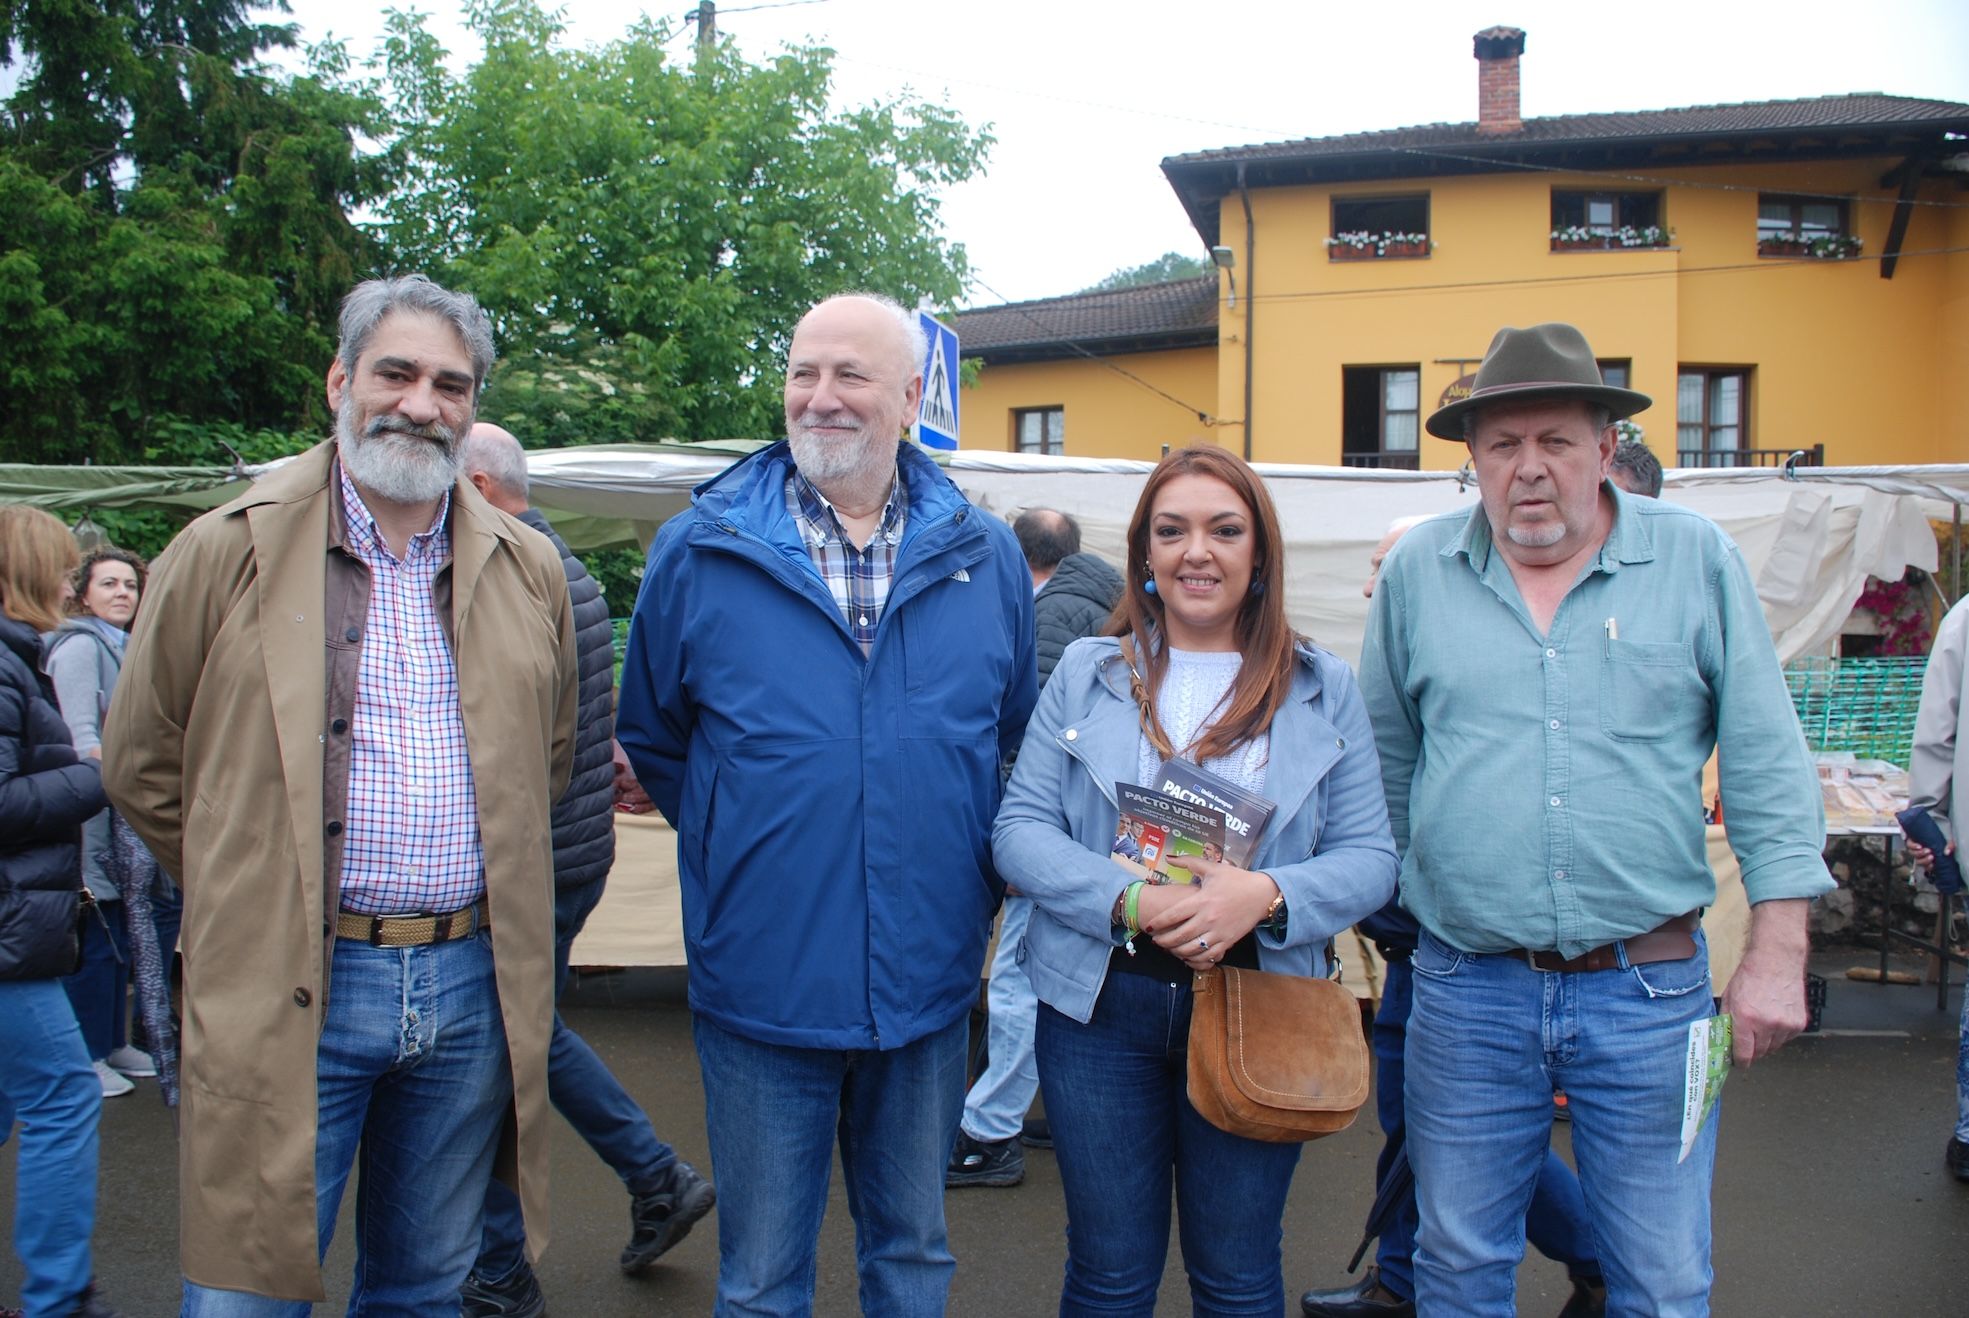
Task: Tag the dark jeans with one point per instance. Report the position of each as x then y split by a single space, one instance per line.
593 1101
1124 1134
99 990
1556 1224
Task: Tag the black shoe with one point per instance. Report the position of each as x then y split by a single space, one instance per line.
665 1215
1589 1300
1957 1159
90 1305
1037 1133
518 1296
985 1162
1366 1298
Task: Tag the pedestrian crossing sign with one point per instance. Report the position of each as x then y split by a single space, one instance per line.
936 411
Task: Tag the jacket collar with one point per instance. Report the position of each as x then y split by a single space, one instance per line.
1107 740
751 493
301 477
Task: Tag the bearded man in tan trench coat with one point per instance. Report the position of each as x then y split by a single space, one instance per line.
350 701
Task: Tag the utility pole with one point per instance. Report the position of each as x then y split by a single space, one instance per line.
706 18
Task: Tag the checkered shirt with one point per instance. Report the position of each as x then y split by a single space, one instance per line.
411 834
858 579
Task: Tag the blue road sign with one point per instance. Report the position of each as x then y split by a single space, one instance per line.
936 413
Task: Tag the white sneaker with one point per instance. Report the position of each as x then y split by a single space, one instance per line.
132 1062
114 1083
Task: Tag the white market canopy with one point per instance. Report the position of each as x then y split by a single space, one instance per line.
1811 538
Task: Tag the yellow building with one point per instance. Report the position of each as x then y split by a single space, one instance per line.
1779 275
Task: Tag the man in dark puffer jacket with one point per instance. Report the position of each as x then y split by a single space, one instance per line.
1075 593
667 1195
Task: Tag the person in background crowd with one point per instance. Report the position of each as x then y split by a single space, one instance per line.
83 658
46 793
1556 1222
1200 664
666 1195
831 657
1073 595
1547 673
1635 468
1938 781
345 715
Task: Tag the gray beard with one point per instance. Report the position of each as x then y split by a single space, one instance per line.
390 462
1543 537
852 473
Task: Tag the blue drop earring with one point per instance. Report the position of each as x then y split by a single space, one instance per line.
1148 586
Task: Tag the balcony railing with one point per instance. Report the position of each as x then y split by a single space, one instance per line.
1408 460
1749 457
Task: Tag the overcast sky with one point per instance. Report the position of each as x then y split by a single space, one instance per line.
1087 96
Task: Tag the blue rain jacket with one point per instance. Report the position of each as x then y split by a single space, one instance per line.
833 810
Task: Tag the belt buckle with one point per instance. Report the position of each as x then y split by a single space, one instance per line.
375 938
1531 959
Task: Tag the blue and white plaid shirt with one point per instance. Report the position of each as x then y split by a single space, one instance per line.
412 832
858 579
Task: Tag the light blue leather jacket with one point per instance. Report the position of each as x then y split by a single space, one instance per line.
1327 847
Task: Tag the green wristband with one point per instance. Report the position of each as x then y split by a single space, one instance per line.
1131 918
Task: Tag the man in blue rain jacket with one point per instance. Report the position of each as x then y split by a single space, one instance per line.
831 656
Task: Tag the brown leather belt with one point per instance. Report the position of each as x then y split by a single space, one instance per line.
412 930
1674 940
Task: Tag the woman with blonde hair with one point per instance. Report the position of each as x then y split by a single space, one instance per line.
1200 664
46 792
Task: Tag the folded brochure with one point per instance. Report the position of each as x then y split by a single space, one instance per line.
1189 812
1708 1068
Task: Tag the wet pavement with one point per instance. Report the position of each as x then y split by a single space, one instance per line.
1830 1198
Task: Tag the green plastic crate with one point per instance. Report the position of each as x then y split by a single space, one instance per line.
1866 706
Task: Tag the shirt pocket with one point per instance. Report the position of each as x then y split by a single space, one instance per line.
1649 689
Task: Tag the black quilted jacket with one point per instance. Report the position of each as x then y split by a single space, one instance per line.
45 794
583 821
1076 600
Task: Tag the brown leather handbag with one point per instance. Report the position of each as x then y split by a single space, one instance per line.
1275 1057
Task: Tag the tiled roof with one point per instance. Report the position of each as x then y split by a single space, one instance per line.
1859 123
1181 313
1857 110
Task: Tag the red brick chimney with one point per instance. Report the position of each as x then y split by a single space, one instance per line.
1498 49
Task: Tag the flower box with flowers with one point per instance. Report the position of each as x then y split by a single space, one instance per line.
1579 238
1824 247
1360 245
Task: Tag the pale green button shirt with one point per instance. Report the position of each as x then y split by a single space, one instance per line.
1545 790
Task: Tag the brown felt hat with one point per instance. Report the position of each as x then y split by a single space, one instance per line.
1545 361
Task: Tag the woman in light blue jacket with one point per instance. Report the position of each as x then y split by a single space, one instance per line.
1206 668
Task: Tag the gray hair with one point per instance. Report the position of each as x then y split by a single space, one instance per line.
915 344
1598 414
373 299
495 452
1636 461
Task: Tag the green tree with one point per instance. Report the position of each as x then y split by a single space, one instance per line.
1168 266
178 233
646 234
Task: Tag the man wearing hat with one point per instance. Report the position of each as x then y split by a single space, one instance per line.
1546 675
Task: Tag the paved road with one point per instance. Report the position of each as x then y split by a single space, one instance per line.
1830 1194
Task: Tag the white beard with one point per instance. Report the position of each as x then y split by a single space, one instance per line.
399 467
854 472
1543 536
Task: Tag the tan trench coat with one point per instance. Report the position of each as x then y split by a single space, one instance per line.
213 750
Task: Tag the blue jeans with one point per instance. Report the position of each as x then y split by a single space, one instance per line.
46 1081
413 1078
1488 1040
1962 1075
587 1094
1124 1132
995 1108
100 986
773 1113
1556 1223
